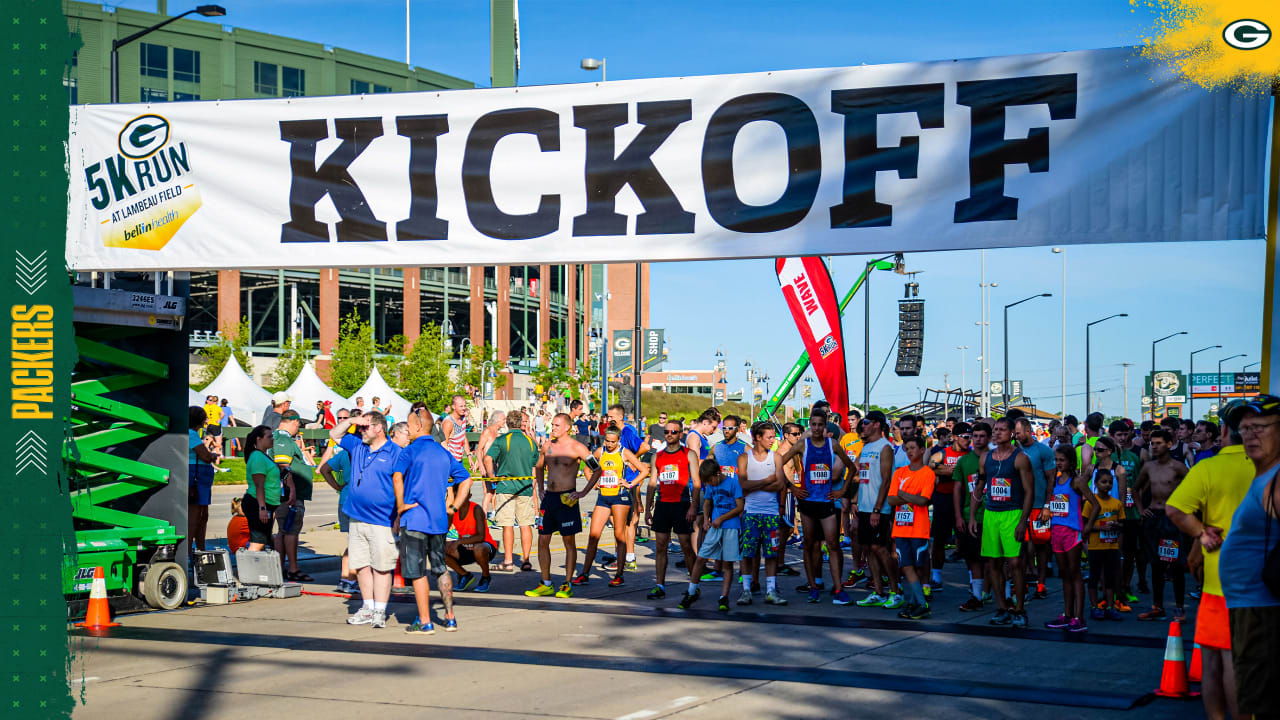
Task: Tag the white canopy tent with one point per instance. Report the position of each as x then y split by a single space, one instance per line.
377 387
245 398
307 389
195 399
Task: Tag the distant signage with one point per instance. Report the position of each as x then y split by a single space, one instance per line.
652 349
1212 385
621 351
682 378
653 342
1167 383
1015 388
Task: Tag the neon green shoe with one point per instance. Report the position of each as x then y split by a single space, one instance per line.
565 591
872 600
894 602
540 591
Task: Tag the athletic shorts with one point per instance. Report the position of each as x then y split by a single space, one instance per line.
1063 538
512 510
669 517
912 551
1213 624
282 515
608 501
373 546
199 484
559 517
467 555
1000 534
1104 568
868 535
1255 635
944 517
258 531
816 509
213 430
417 550
787 509
1165 542
721 544
344 521
970 546
760 533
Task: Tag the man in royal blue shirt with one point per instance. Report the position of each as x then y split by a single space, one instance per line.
371 507
424 480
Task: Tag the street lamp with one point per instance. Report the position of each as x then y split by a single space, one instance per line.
1246 367
1153 369
1088 399
594 64
1063 405
205 10
1191 370
1005 389
1233 357
964 405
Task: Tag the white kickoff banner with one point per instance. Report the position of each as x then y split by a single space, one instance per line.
1053 149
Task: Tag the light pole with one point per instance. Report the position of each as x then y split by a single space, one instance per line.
1153 368
984 335
1191 370
964 405
592 64
205 10
1005 389
1088 399
1246 367
1233 357
751 401
1063 405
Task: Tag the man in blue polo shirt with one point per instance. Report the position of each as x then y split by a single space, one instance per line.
424 480
371 507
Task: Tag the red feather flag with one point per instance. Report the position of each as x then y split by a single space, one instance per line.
806 285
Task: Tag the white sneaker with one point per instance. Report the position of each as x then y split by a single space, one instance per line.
774 598
744 598
363 616
379 620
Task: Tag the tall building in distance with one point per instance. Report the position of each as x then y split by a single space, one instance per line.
517 309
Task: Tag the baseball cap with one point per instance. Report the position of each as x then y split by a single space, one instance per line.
280 397
1264 405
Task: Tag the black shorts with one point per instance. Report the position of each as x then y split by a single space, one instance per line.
816 509
467 555
259 532
1164 541
669 517
1255 634
970 546
417 550
213 430
944 517
868 535
557 517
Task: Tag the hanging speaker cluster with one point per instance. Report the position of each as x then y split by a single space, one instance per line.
910 337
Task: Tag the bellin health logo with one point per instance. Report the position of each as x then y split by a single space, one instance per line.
146 192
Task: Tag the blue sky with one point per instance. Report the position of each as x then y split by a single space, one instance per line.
1211 290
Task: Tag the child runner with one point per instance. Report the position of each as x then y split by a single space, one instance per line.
1103 529
722 506
910 493
1065 538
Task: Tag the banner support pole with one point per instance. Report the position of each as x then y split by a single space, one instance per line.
1269 349
637 359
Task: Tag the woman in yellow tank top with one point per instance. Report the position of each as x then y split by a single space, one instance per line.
614 501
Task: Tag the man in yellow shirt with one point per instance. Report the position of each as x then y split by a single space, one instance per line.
1214 488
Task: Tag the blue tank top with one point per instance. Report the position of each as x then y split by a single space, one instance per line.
1004 489
1064 504
702 446
818 470
727 458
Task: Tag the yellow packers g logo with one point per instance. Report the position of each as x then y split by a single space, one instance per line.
143 137
1247 34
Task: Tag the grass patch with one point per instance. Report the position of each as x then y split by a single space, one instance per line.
235 476
687 407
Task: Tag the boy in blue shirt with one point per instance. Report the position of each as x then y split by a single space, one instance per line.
722 507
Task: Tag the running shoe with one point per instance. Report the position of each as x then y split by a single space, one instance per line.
933 587
774 598
540 591
973 604
894 602
814 595
1179 614
420 628
1113 614
1155 613
713 575
379 620
723 604
363 616
1077 625
466 582
483 585
616 581
657 593
788 571
1002 617
1059 623
565 591
846 543
840 598
611 566
1128 597
905 613
872 600
581 579
608 558
744 598
631 565
1102 605
451 624
920 612
1039 594
928 591
1020 620
1122 606
1098 614
688 600
804 587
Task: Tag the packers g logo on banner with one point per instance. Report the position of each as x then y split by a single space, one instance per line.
143 137
1247 34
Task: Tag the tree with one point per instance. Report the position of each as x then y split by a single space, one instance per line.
472 371
390 359
289 365
233 340
424 374
353 356
553 372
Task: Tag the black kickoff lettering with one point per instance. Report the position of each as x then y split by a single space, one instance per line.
477 187
423 222
309 184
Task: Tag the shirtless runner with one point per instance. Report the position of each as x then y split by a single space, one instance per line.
559 501
1167 547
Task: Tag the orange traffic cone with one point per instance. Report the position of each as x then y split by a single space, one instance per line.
99 615
1193 674
1173 679
397 580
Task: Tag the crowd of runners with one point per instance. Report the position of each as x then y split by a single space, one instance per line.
1014 501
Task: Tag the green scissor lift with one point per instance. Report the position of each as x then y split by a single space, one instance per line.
127 476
